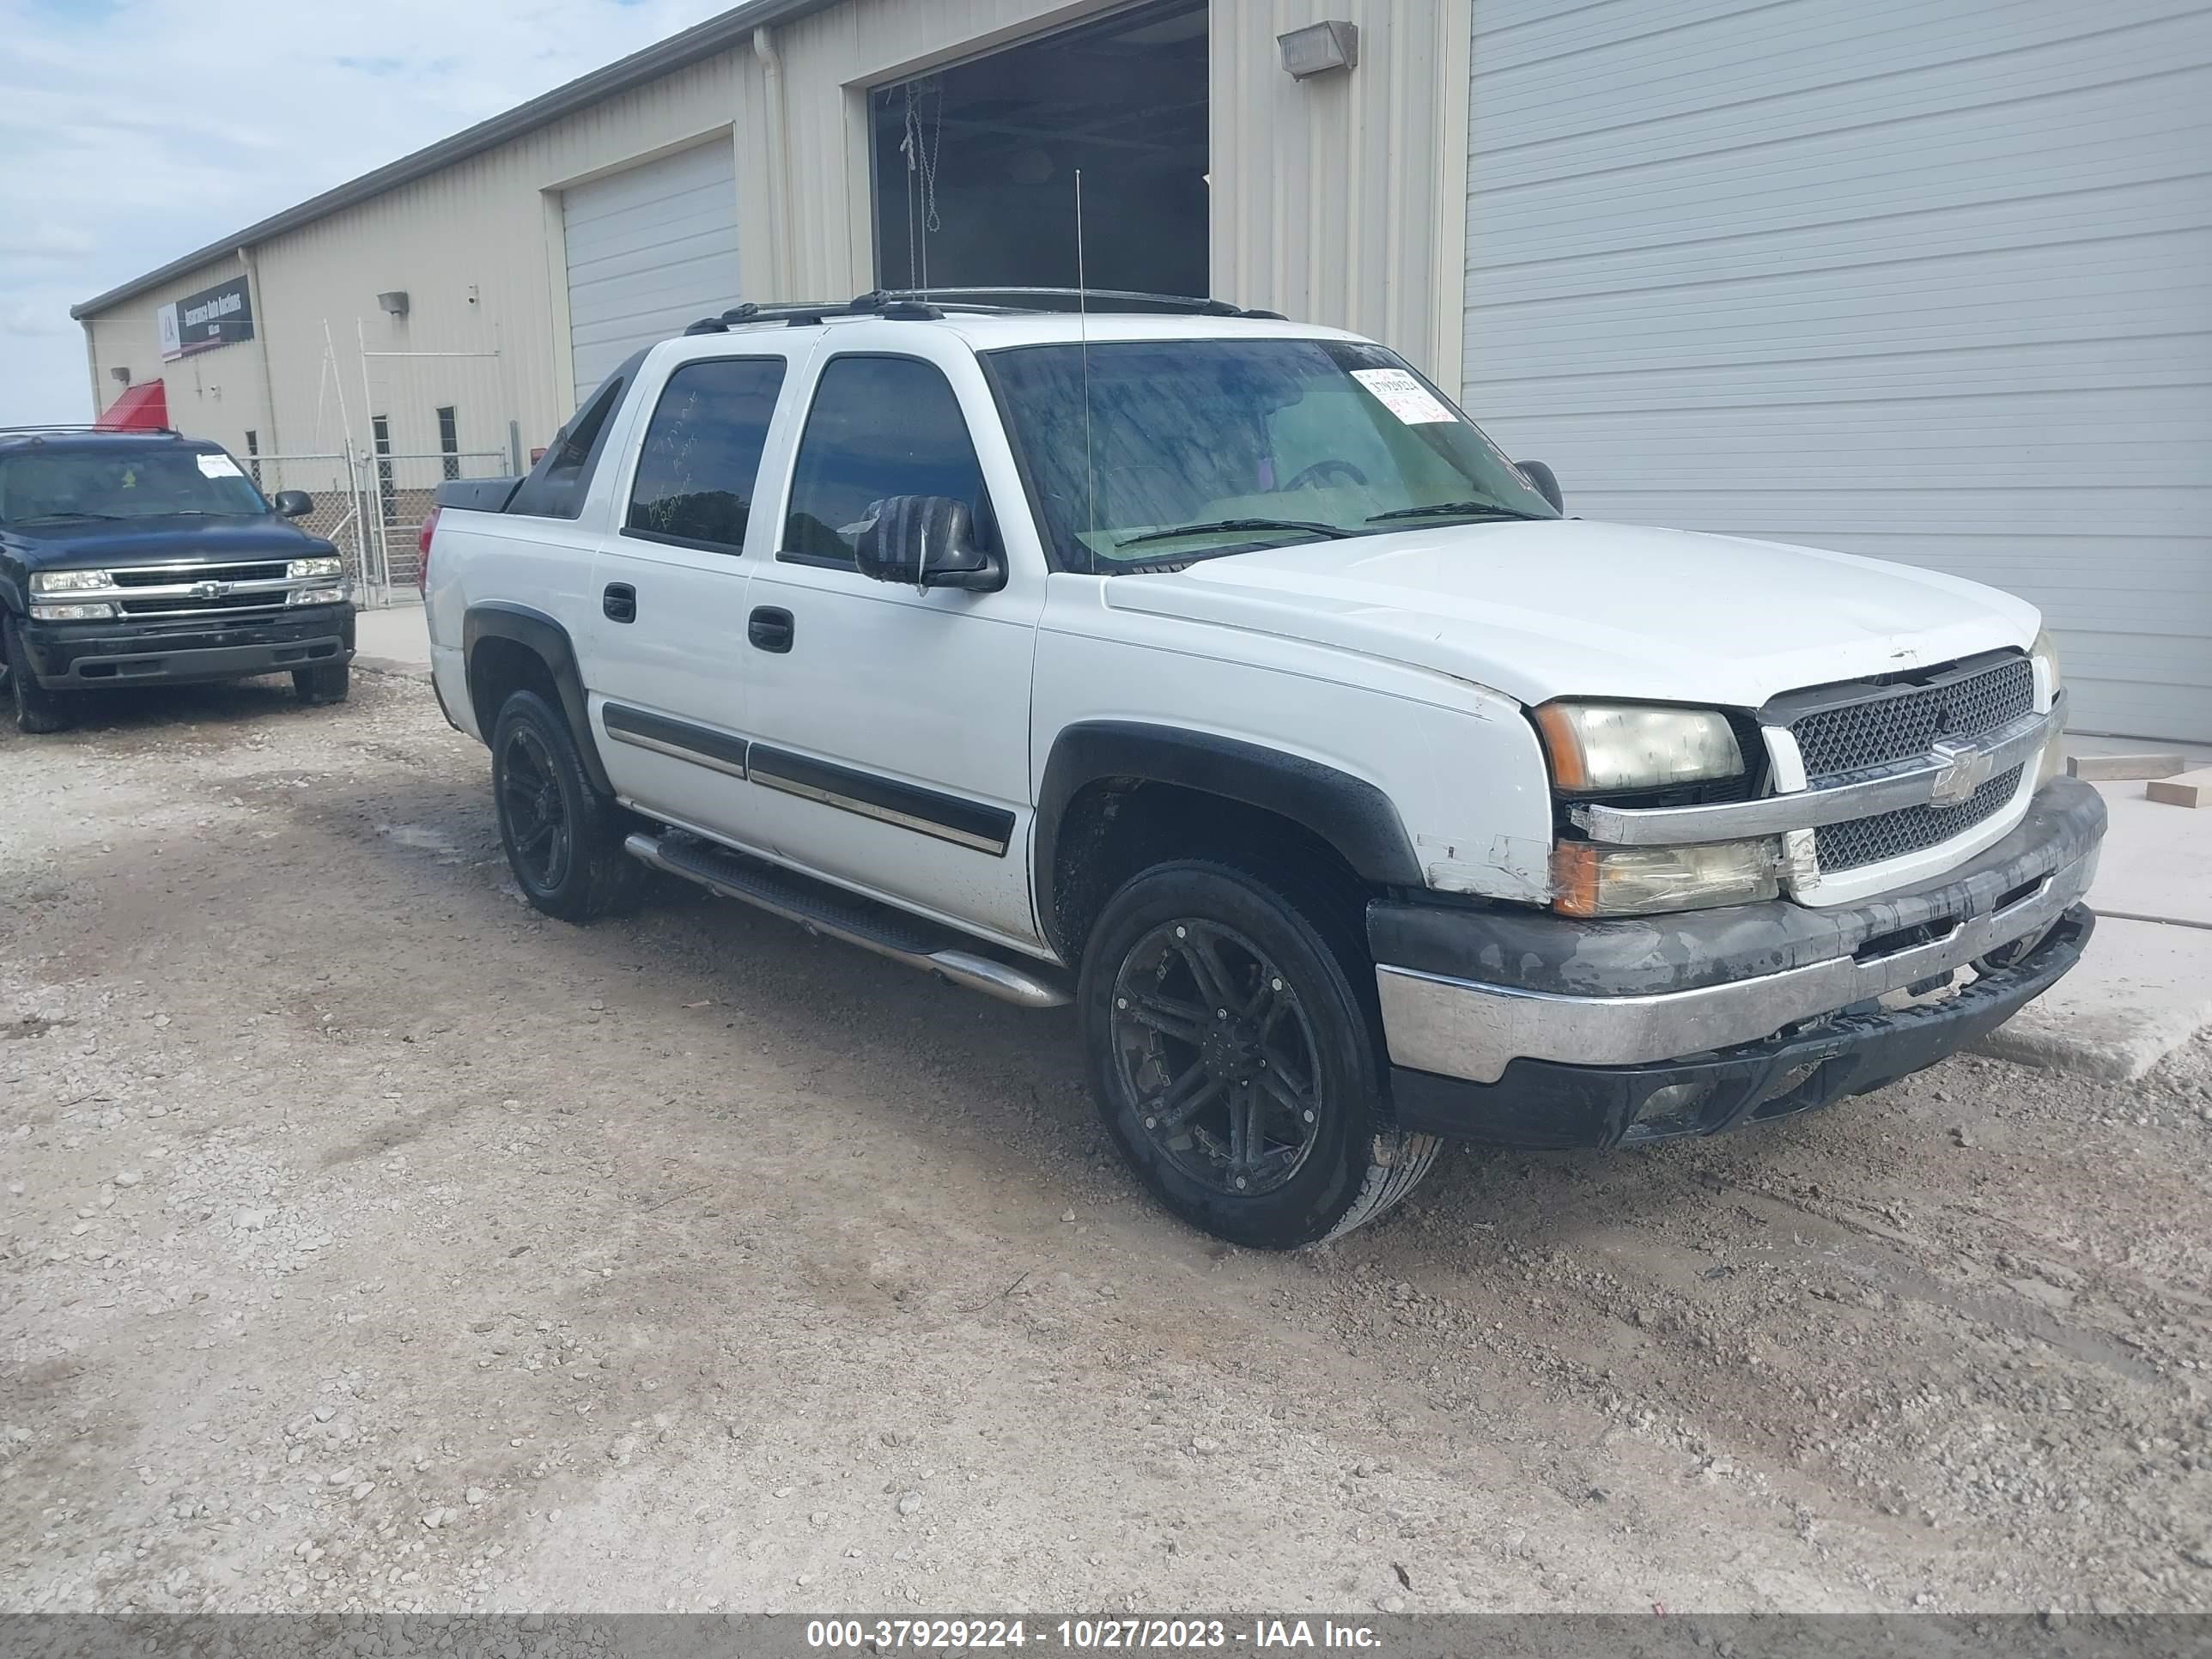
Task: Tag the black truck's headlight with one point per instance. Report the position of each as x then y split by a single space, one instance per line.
69 581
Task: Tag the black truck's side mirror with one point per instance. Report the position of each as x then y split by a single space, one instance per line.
1546 482
926 541
293 503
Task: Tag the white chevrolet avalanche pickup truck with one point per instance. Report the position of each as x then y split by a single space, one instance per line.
1216 674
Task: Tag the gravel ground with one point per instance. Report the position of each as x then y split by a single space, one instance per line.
369 1242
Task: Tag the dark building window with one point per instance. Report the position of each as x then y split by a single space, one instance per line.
387 494
449 443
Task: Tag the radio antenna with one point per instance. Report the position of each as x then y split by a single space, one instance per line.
1083 331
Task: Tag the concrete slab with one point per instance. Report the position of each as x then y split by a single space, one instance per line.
2143 989
2156 862
2100 768
394 640
2190 789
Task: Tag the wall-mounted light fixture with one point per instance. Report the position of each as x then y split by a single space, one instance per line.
1320 47
120 376
393 304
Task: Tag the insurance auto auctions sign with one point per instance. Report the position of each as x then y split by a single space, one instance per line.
218 316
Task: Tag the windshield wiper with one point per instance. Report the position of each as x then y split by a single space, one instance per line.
1334 533
49 517
1454 510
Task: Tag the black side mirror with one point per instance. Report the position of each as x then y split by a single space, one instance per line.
294 503
926 541
1546 482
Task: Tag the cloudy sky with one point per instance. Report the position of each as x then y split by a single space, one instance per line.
132 132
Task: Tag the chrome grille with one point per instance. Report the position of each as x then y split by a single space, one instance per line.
1905 724
192 604
1894 835
169 575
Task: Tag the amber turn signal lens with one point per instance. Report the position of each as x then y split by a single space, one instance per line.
1574 878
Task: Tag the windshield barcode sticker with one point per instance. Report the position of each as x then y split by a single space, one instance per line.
1403 396
218 466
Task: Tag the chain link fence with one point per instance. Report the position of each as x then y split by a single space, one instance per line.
403 489
340 515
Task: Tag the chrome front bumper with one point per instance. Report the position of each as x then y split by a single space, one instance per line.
1626 993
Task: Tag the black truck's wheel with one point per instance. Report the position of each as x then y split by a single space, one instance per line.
329 682
1234 1064
37 709
563 838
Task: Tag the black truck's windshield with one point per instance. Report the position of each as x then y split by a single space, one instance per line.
1200 447
62 484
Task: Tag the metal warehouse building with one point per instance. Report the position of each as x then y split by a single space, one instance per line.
1927 282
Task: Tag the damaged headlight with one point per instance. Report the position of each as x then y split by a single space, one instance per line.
2044 655
1598 746
1590 880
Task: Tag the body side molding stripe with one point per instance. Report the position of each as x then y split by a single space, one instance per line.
718 750
949 817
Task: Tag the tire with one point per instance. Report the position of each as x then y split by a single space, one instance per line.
563 838
329 682
37 711
1177 1083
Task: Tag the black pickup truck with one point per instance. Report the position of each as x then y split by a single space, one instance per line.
132 557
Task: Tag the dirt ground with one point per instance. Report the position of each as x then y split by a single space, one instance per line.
370 1241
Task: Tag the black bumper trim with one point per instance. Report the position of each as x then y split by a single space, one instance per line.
1530 950
75 657
1545 1103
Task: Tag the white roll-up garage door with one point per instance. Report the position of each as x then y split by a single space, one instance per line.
1930 282
650 250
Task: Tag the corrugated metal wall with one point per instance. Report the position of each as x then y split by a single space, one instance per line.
1338 199
477 249
1341 198
1929 282
219 394
650 250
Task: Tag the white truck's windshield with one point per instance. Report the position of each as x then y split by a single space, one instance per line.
1165 451
162 479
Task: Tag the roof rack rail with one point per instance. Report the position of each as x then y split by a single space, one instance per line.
41 428
1068 299
928 304
797 313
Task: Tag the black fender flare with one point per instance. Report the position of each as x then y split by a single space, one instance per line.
545 638
1349 813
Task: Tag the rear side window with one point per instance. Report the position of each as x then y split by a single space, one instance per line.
556 486
702 453
880 427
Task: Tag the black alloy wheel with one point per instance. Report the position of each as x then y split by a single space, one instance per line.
1212 1043
1237 1063
563 836
536 817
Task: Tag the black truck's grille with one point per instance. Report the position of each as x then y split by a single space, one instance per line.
166 605
1915 829
1902 724
179 575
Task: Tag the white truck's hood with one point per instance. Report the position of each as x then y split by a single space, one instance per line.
1568 608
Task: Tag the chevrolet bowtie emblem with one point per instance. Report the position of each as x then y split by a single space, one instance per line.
209 590
1961 770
